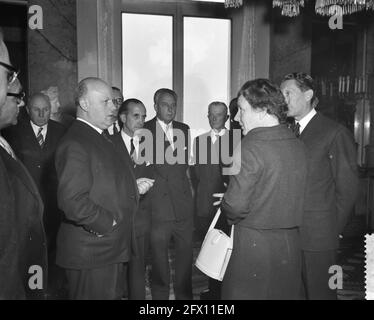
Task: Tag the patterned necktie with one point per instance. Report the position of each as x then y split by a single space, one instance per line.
40 138
132 151
5 145
297 129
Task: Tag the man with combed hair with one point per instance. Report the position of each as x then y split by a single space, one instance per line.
332 183
22 237
172 204
132 114
98 194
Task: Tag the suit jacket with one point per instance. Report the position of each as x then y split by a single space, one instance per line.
22 236
171 195
95 188
38 161
332 182
145 170
268 191
208 170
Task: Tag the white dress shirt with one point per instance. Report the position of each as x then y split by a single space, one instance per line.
304 121
127 140
168 129
111 128
214 133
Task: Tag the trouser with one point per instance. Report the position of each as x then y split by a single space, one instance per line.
105 283
136 274
181 232
315 274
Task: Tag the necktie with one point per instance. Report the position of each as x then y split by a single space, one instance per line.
132 151
169 134
215 138
5 145
297 129
105 135
115 130
40 138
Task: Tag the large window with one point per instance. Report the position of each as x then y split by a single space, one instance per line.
180 45
147 56
206 68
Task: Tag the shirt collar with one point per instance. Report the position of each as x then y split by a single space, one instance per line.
127 138
304 121
221 133
164 126
36 128
91 125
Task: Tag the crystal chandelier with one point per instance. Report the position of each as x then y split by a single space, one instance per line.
342 7
291 8
233 3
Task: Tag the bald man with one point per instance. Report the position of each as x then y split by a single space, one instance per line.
34 140
208 172
98 194
22 237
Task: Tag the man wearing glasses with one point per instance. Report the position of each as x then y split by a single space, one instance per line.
117 100
22 236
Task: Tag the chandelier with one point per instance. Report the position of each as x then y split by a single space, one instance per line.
342 7
233 3
291 8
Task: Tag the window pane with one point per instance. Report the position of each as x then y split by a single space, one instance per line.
206 68
147 46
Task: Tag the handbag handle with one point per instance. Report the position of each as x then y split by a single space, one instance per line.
215 219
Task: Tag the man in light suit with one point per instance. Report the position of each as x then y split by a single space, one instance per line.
132 114
98 194
172 204
332 183
22 236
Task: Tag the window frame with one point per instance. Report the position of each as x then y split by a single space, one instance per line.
178 10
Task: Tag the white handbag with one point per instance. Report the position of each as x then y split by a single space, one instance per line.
215 251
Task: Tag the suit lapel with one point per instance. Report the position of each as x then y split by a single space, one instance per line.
310 127
30 136
18 169
124 153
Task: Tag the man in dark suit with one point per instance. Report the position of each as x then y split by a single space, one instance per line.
172 204
34 142
331 186
132 114
209 178
98 194
22 236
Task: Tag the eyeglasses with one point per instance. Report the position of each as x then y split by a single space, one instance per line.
12 72
19 96
117 101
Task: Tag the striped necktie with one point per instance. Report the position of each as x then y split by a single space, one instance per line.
40 138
